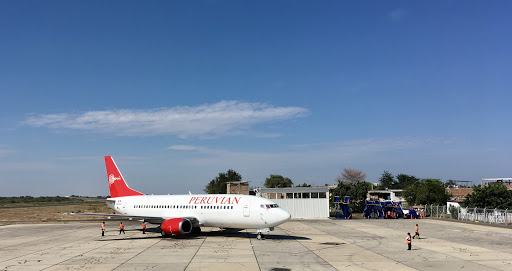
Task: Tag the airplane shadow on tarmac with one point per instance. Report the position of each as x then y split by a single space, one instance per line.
120 238
234 233
237 233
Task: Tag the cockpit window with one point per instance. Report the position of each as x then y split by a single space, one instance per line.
268 206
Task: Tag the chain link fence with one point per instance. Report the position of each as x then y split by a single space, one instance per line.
491 216
436 211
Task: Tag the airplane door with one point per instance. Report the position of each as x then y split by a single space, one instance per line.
247 205
121 206
118 204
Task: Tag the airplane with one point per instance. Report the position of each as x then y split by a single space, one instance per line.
184 214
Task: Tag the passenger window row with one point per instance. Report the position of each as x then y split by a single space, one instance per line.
181 207
216 207
166 206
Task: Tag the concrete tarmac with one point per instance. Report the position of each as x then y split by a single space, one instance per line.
296 245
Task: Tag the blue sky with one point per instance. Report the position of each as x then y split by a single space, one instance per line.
178 91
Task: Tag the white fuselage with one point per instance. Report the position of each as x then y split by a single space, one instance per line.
211 210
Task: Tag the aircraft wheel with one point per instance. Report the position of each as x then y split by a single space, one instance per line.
259 236
163 234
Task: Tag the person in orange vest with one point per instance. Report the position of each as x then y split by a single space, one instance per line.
417 232
121 228
143 227
102 228
389 214
408 239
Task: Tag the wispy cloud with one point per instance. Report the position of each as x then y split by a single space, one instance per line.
368 145
186 148
397 14
6 151
321 162
100 157
309 153
209 120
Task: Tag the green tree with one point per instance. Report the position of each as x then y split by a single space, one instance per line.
426 191
494 195
304 185
387 180
277 181
404 181
218 185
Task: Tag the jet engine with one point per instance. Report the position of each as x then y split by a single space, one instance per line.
176 226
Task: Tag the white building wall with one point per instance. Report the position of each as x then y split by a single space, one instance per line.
450 204
305 208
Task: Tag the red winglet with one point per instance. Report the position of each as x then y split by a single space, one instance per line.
116 183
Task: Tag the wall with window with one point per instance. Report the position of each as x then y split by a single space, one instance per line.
300 202
305 207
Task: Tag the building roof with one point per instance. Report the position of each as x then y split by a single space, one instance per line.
498 179
294 190
386 191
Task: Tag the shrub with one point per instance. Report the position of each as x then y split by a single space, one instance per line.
454 212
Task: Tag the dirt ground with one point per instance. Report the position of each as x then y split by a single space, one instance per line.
51 213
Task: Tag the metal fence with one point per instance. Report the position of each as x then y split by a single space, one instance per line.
436 211
491 216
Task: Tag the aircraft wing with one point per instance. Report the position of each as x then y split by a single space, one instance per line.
150 219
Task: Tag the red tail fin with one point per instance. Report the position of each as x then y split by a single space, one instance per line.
116 183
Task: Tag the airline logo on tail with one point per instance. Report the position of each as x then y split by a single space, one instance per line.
112 179
117 185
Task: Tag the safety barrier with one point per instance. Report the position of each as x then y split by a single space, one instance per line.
491 216
436 211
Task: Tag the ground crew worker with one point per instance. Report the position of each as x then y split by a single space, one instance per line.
102 228
408 239
389 214
417 232
121 228
143 227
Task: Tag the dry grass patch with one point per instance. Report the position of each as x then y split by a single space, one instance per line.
53 213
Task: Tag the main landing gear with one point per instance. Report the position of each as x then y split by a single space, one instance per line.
196 230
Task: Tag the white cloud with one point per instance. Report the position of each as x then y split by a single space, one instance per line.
308 154
209 120
185 148
5 151
397 14
322 162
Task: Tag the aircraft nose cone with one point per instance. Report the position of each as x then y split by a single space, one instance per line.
286 216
